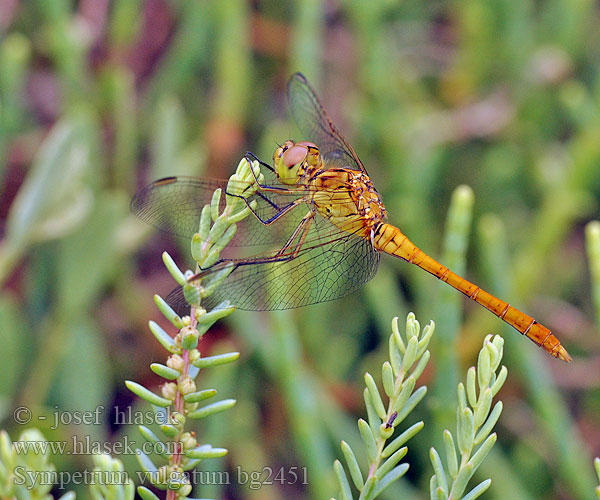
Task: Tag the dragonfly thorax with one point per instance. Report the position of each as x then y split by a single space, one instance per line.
348 199
294 161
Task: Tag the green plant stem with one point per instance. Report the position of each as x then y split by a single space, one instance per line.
301 403
450 307
49 353
9 258
233 60
592 239
177 456
307 38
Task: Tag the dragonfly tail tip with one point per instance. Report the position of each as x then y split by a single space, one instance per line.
561 353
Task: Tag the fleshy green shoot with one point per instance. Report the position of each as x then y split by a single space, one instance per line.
408 356
180 399
475 421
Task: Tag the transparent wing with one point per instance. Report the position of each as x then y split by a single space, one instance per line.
330 265
316 125
174 204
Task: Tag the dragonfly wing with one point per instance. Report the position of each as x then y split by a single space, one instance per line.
331 264
174 205
316 125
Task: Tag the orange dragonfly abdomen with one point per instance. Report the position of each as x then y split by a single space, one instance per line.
391 240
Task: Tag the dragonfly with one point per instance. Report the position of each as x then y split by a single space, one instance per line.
317 229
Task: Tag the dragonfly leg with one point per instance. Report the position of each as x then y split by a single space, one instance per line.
299 233
281 211
282 255
252 157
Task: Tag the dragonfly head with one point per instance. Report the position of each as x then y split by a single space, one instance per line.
292 159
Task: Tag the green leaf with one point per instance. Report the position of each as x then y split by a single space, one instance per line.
214 209
410 356
345 490
412 431
462 397
395 355
164 371
226 238
219 359
167 135
479 490
191 464
159 447
471 387
211 409
368 491
55 183
372 417
211 258
389 478
353 467
163 337
82 379
375 396
439 493
500 379
421 365
146 463
12 353
460 482
407 387
198 249
368 439
89 258
397 336
217 231
168 312
484 369
217 279
391 462
173 269
196 397
438 469
425 338
413 401
146 494
450 453
192 294
169 430
189 339
147 394
387 377
466 431
483 451
219 312
206 451
435 491
7 452
483 407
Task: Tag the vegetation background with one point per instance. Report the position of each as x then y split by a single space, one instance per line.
98 98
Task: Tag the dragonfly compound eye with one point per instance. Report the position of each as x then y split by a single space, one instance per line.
294 156
279 152
290 162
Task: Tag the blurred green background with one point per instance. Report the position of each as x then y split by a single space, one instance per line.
99 97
